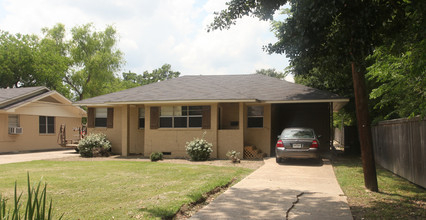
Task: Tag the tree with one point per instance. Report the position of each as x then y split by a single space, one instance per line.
165 72
82 67
398 71
272 73
51 60
94 61
401 82
345 30
16 60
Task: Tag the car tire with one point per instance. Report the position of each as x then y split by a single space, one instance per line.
278 160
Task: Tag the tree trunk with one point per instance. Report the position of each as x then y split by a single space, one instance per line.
364 130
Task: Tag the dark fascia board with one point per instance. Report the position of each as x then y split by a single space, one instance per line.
22 98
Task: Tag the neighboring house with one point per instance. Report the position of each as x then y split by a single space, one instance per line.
234 110
30 118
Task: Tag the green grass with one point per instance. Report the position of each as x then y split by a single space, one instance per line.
397 198
117 189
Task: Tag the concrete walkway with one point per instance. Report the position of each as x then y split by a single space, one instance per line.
22 157
293 190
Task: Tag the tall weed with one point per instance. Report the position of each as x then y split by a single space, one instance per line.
35 208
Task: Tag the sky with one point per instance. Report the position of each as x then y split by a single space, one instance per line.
154 32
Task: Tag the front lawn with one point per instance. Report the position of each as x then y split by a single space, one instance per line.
397 198
117 189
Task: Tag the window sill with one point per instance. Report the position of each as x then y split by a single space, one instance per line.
180 129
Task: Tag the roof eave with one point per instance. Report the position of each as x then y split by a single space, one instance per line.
306 101
22 97
150 102
337 103
61 98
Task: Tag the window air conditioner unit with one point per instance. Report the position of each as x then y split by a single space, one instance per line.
15 130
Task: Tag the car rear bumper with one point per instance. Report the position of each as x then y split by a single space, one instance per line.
282 152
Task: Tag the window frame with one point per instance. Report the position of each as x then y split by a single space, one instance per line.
97 122
180 112
18 124
49 128
141 124
255 116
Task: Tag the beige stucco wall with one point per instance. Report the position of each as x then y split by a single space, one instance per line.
114 133
136 135
49 109
31 139
229 113
174 139
259 137
230 140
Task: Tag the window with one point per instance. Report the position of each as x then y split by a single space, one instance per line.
166 117
141 117
181 117
298 133
13 121
101 115
255 116
46 125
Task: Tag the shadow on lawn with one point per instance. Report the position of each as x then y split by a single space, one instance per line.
159 212
391 209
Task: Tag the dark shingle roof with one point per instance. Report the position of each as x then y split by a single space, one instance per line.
215 88
17 96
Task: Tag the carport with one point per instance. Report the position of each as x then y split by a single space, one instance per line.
316 115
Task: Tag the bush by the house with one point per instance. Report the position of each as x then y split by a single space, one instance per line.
156 156
233 156
199 149
94 145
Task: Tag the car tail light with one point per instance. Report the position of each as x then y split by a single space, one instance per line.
314 144
280 143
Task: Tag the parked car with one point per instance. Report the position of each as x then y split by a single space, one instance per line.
297 143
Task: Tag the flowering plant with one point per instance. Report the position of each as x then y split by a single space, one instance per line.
94 144
199 149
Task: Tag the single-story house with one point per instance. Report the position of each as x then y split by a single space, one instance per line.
234 111
30 118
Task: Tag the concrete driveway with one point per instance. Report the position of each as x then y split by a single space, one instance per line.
293 190
45 155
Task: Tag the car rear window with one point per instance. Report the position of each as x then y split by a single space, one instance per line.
297 133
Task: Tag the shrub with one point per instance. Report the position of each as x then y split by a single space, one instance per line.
199 149
233 156
35 205
94 145
156 156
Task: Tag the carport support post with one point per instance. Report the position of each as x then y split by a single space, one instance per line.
364 130
125 130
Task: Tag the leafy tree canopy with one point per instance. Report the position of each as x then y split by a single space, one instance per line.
272 73
82 67
131 80
95 60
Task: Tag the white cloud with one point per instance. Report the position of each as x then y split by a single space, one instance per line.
156 32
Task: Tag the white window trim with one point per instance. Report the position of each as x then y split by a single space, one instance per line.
181 116
256 116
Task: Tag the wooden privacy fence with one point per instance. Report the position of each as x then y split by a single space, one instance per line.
400 146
